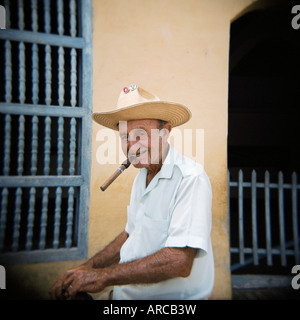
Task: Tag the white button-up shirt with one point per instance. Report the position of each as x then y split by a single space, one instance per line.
173 211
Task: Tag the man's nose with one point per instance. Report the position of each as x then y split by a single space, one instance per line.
133 144
133 140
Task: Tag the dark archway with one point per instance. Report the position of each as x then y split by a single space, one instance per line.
264 91
263 132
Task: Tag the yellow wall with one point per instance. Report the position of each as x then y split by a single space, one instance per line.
179 51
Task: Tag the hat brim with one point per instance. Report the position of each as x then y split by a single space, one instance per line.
174 113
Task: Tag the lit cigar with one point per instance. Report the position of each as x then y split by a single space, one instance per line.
115 175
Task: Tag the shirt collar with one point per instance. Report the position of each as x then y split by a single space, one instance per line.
166 170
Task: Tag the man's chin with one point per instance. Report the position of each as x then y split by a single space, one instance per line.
140 165
140 162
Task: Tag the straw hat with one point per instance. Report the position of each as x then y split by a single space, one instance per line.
136 104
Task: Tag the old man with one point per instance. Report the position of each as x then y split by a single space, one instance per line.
165 251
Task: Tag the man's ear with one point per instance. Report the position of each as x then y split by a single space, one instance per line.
165 131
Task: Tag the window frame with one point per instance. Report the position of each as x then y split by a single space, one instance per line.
83 42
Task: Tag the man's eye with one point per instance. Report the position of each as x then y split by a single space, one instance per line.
141 133
124 138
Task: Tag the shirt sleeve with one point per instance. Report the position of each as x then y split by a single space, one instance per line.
191 215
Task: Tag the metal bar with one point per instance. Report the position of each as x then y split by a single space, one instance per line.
254 218
262 252
21 24
60 145
268 218
255 281
34 145
40 110
61 57
35 56
34 16
241 217
22 70
40 181
295 218
48 75
48 59
72 147
262 185
60 17
73 22
3 217
42 38
7 144
17 221
47 139
72 151
73 53
61 76
6 169
281 218
32 192
21 145
30 219
8 71
238 266
35 74
47 16
22 73
57 215
35 256
73 77
44 216
68 241
47 146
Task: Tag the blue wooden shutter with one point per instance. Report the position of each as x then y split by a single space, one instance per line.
45 130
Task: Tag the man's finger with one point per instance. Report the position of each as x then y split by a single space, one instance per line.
67 282
56 292
70 276
73 289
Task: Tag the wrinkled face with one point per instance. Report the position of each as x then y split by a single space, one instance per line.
142 141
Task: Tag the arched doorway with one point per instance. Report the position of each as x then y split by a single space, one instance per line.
263 131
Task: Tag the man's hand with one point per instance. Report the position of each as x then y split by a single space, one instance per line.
89 276
81 279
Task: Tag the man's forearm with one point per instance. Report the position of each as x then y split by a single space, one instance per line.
110 254
165 264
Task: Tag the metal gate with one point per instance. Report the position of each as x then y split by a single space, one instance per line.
263 213
45 130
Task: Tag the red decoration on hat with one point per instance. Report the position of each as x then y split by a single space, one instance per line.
126 90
